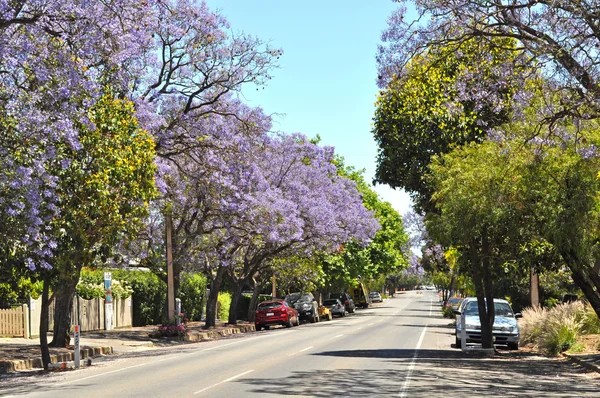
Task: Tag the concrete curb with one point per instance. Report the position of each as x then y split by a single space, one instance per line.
588 365
193 335
26 364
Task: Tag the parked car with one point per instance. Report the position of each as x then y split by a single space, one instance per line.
336 306
275 312
347 301
375 297
505 330
305 304
454 302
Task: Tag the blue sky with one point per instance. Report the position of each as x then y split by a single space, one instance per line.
326 81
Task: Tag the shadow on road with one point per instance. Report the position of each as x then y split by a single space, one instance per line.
451 372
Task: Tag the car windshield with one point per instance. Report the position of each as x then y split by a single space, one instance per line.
375 294
268 306
305 297
330 302
500 309
298 297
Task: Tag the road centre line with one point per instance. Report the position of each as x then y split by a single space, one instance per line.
225 381
339 335
302 350
411 367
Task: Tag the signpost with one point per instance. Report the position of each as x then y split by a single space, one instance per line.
108 303
77 352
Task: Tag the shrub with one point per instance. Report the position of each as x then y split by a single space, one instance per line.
149 295
561 336
562 327
448 312
192 291
590 321
91 285
224 304
171 329
532 325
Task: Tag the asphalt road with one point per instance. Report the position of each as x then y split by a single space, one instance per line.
399 348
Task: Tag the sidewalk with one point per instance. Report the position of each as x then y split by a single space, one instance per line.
17 354
589 361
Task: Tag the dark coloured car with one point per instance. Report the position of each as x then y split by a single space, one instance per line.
347 301
275 312
336 306
305 304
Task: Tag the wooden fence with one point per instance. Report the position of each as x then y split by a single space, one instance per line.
14 322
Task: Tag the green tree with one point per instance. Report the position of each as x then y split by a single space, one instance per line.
422 113
385 255
104 185
475 216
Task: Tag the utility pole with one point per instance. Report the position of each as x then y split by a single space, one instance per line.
170 283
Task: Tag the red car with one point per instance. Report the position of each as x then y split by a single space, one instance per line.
275 312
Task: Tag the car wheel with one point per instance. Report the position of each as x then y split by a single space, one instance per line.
352 310
458 343
513 346
288 324
258 327
267 327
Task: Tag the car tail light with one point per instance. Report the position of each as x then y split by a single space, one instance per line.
339 306
347 302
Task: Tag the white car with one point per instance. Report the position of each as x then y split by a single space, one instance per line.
505 330
375 297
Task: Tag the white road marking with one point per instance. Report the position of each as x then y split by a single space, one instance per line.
411 367
242 340
339 335
224 381
302 350
112 371
359 328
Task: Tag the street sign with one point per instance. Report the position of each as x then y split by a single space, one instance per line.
108 301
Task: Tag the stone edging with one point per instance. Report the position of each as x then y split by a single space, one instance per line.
25 364
194 335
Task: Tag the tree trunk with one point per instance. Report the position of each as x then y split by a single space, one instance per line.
213 297
235 300
63 309
44 325
534 289
254 301
587 287
477 275
590 290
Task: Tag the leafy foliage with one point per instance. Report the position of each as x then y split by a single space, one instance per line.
192 293
422 113
224 304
